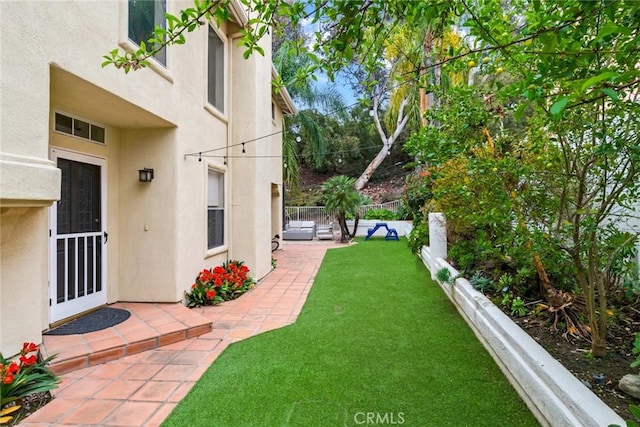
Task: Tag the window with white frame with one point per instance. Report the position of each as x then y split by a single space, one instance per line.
215 70
79 128
215 209
144 15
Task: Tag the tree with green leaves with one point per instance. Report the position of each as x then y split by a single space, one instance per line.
569 70
341 197
310 99
571 65
576 63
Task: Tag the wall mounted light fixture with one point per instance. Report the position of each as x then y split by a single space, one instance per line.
145 175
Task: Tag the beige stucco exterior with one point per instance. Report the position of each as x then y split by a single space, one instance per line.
155 117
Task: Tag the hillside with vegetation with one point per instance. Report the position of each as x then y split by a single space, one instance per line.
379 190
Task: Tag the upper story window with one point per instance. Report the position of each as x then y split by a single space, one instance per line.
215 70
144 15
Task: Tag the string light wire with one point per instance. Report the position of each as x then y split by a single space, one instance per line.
417 73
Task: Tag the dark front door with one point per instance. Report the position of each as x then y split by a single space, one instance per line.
78 237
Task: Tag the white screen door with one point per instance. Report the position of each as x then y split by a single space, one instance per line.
78 236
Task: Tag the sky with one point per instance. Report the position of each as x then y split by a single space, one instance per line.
322 82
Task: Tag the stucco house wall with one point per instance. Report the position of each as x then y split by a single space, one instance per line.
155 118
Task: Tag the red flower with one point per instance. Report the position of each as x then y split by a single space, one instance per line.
28 347
205 275
218 270
8 372
28 361
211 294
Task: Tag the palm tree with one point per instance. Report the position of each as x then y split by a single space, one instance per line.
341 197
290 164
288 61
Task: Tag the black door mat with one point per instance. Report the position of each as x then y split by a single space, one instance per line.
95 321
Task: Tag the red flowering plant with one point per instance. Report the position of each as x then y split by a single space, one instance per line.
21 375
222 283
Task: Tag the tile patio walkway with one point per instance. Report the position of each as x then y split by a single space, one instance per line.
135 373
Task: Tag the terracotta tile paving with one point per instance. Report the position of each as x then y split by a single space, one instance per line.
119 389
167 348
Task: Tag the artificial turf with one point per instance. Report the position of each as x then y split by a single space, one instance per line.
377 342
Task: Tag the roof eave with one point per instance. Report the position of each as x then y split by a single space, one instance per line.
282 96
238 12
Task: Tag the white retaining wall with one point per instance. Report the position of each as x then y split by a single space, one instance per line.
552 393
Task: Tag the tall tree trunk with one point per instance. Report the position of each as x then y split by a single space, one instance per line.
424 106
344 230
345 234
355 226
387 142
433 70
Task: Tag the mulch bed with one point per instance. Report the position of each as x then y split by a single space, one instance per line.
574 355
28 406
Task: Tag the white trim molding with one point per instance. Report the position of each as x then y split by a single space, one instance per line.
28 181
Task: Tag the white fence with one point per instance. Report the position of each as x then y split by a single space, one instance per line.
321 216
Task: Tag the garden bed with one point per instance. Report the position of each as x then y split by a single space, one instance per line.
573 354
552 393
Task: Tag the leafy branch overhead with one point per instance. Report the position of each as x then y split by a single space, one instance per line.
597 42
187 21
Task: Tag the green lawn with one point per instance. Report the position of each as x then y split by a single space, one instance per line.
376 342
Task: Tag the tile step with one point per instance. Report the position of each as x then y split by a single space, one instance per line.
151 325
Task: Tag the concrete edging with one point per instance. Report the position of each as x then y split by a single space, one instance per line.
552 393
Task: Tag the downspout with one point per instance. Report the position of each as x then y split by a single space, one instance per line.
232 39
239 15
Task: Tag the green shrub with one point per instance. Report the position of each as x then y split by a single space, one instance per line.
481 283
404 212
311 197
418 237
417 192
383 214
444 276
475 253
517 307
636 351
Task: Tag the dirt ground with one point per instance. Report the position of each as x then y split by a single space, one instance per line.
574 355
379 191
